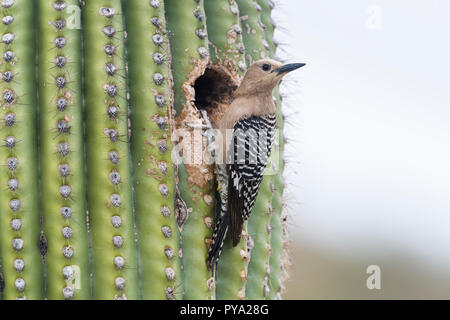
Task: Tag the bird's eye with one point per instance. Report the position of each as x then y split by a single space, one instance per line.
266 67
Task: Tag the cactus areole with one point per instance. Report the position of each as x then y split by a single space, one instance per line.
107 191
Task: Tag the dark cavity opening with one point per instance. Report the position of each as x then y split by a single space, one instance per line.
213 88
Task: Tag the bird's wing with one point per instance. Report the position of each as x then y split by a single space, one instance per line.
247 159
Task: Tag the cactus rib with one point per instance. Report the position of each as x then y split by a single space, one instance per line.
109 186
225 35
19 214
151 120
275 263
61 122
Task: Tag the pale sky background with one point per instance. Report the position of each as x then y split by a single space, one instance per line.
369 146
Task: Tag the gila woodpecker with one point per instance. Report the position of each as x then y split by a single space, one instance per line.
252 119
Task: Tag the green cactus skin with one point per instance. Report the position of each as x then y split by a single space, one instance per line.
225 35
278 233
266 21
23 128
276 238
190 56
108 199
62 62
151 118
232 270
259 243
259 222
256 47
227 50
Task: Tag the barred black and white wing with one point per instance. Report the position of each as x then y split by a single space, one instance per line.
241 178
247 159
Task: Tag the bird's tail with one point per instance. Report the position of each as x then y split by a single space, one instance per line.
218 238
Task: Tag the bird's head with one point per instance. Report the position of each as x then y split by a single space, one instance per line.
264 75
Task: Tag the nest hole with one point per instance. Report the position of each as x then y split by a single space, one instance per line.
214 88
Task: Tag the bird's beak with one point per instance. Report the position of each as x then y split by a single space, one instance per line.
288 68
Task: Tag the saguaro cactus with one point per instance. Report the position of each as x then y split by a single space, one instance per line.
62 170
119 203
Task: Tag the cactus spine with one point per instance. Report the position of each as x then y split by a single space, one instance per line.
109 180
62 170
150 87
19 214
